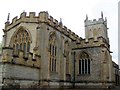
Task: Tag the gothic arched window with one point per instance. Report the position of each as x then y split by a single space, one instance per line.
84 63
53 52
21 41
66 54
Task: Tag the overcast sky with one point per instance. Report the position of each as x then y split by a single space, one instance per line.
72 12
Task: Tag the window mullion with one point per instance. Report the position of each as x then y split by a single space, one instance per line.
84 66
55 65
87 65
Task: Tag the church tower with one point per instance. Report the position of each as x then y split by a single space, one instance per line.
97 43
96 28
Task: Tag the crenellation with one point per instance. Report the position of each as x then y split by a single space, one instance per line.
49 21
69 31
55 22
23 15
86 40
95 39
59 27
29 61
78 41
66 32
21 60
73 33
36 62
7 54
31 14
14 19
6 25
91 42
43 16
94 21
51 18
65 28
62 30
76 36
87 43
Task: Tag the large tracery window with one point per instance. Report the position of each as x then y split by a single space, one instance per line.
84 63
53 53
66 53
21 41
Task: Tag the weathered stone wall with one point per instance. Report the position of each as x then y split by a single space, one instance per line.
40 28
95 65
45 32
1 73
16 72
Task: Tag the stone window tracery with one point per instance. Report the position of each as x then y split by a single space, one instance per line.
84 63
53 53
21 41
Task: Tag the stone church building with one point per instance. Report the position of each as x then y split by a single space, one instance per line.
39 51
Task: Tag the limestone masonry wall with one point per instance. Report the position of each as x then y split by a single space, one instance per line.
20 58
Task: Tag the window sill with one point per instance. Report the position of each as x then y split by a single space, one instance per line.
83 75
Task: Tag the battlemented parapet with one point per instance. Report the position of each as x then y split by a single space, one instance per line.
100 42
43 17
20 58
94 22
